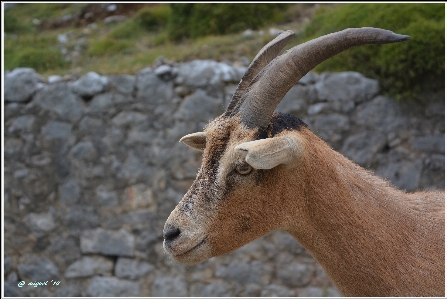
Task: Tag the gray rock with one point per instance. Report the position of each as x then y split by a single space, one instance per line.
126 118
81 217
114 19
274 32
59 98
90 84
274 290
135 218
134 169
62 38
8 264
12 277
54 79
131 268
435 109
147 238
346 87
22 124
362 147
436 162
199 107
295 274
101 104
318 108
380 114
106 197
38 269
13 147
404 175
40 222
294 102
243 272
309 78
69 192
217 289
163 70
248 33
124 84
112 287
13 110
169 286
56 130
152 90
330 126
21 84
203 73
332 292
90 266
311 292
64 250
68 289
430 144
84 150
12 290
108 242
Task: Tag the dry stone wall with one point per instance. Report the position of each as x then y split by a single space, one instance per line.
93 167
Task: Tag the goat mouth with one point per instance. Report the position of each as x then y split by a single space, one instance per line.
189 250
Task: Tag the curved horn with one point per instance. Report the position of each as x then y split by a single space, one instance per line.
273 82
267 54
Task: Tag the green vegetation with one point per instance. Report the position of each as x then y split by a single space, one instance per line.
40 53
186 31
154 18
189 20
405 70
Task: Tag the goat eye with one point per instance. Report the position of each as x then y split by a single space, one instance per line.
244 169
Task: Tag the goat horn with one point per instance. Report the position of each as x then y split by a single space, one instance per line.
267 54
272 83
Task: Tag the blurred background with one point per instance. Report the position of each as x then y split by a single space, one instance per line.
96 97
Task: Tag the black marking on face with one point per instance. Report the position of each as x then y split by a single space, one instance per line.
204 185
259 176
282 121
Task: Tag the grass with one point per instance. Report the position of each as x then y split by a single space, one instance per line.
122 48
125 48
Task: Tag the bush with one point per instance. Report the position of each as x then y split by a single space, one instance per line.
108 46
189 20
127 30
12 24
146 19
32 51
405 69
38 59
153 18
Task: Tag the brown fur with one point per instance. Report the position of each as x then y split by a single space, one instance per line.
370 238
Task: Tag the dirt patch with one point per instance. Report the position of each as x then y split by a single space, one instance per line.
94 12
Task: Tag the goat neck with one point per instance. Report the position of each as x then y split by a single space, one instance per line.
370 238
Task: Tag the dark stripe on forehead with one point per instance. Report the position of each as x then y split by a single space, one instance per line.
280 122
205 181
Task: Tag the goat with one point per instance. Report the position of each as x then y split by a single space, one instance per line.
263 171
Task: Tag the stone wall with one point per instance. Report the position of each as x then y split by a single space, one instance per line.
93 167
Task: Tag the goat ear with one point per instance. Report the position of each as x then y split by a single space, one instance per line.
271 152
195 140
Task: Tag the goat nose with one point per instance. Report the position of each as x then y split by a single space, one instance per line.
171 232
